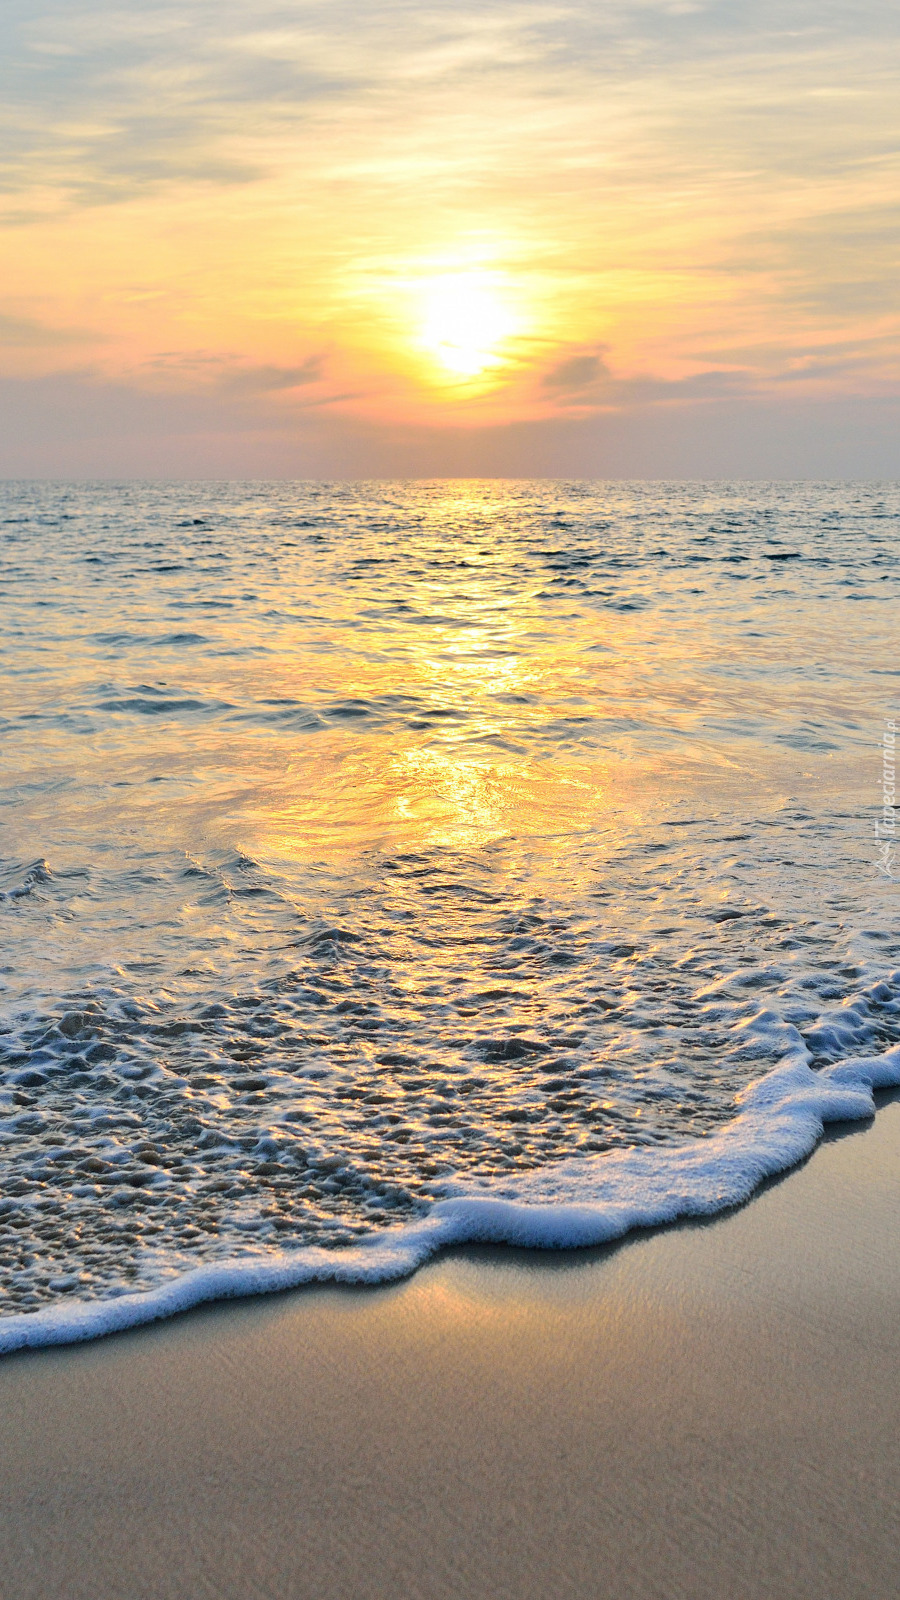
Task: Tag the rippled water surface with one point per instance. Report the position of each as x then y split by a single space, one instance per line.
363 839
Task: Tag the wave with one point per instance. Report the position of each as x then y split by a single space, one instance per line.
570 1204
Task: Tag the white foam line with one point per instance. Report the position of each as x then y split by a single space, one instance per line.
577 1202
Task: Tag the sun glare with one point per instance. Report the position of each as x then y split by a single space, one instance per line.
465 323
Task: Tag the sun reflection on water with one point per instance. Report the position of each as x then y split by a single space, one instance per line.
445 696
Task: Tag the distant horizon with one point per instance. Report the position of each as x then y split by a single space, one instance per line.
461 477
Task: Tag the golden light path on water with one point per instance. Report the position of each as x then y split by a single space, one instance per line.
458 776
471 647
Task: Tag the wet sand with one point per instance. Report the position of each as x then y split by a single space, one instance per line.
707 1411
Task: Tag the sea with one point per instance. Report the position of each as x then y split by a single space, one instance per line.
392 865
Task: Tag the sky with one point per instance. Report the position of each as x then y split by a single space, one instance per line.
623 238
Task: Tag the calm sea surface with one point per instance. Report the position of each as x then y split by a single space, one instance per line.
359 840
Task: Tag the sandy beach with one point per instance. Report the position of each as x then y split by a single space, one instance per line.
710 1410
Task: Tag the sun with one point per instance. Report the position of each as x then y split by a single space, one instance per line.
465 323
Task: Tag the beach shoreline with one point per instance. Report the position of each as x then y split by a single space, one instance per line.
704 1410
575 1204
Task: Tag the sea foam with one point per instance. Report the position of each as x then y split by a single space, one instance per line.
573 1204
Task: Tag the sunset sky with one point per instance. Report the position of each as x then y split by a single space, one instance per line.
623 238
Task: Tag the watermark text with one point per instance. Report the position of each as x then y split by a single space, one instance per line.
886 826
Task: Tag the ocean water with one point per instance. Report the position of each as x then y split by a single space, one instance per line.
391 864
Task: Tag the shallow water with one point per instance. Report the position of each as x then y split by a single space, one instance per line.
363 843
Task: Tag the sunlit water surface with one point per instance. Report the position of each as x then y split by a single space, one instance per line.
362 839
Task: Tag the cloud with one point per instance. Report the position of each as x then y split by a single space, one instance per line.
29 334
583 382
105 98
104 101
224 372
271 380
577 375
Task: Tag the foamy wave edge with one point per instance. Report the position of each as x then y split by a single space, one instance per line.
572 1204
